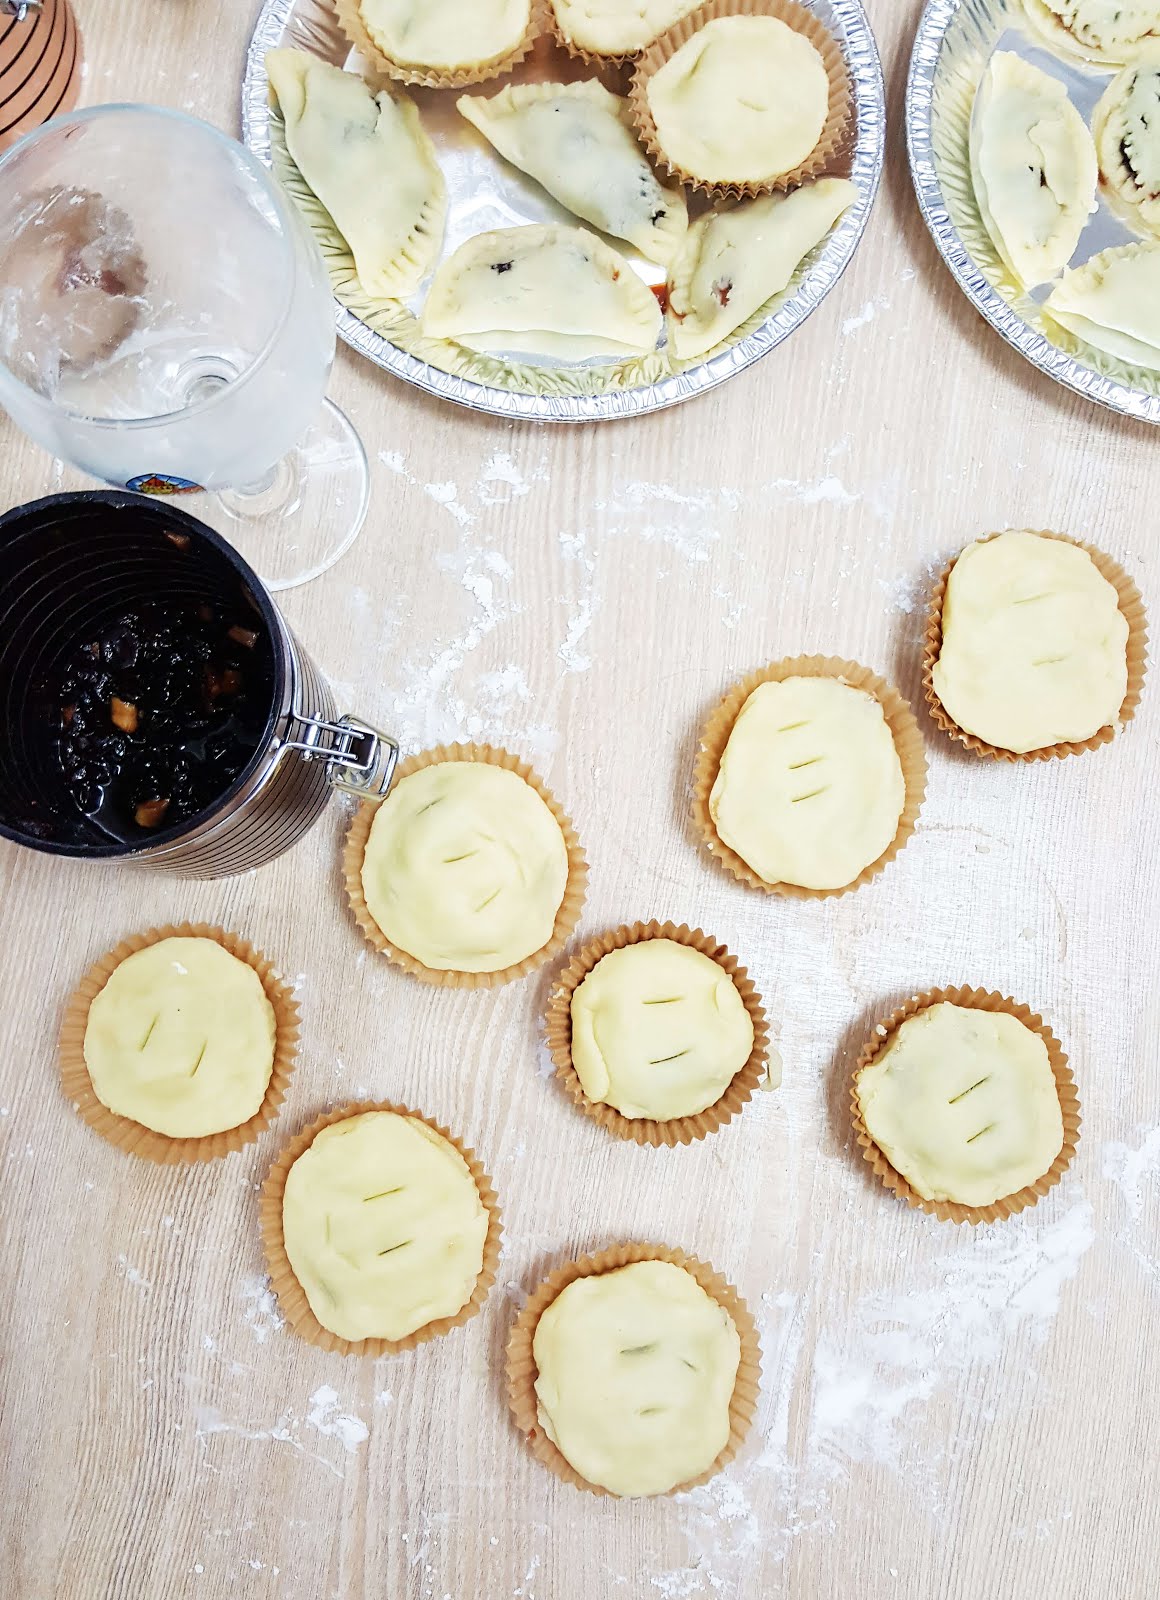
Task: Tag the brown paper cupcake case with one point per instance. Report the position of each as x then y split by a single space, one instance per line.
132 1136
833 135
715 736
591 58
647 1130
951 1210
566 917
292 1301
351 22
521 1365
1132 607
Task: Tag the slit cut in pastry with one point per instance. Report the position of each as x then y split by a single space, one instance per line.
1112 303
371 165
616 28
733 261
576 140
1108 32
1126 124
1033 165
542 290
445 35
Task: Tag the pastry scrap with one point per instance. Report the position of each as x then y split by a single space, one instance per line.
658 1030
465 867
543 290
1034 644
744 101
733 262
1106 32
383 1226
181 1039
1112 303
636 1369
964 1104
810 787
1033 165
1126 124
371 165
616 28
576 140
450 36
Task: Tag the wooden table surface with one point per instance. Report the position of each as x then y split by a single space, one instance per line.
946 1414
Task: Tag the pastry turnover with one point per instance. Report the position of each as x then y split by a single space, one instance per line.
577 141
1107 32
1112 303
542 290
732 262
1033 164
371 165
1126 124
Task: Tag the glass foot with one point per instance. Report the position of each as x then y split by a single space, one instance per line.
298 522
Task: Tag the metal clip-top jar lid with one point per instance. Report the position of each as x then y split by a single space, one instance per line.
20 9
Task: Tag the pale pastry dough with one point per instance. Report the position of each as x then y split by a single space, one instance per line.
542 290
743 101
1126 124
617 27
733 261
1112 303
963 1103
576 140
181 1039
370 163
1033 165
446 35
1108 32
658 1030
1034 645
465 867
383 1226
810 787
635 1373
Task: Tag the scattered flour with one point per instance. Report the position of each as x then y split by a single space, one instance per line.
133 1275
324 1414
261 1308
1131 1169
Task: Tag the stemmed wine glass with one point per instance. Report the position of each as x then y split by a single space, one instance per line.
166 326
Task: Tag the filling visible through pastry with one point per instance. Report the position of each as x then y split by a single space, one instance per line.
542 290
963 1103
181 1039
465 867
810 788
384 1226
445 35
1109 32
635 1374
577 141
733 262
617 27
1033 165
1126 124
371 165
1034 644
744 100
658 1030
